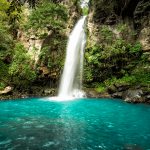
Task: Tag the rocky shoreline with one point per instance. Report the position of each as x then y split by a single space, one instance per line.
35 91
128 94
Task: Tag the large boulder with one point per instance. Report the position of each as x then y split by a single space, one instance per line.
133 95
92 93
144 38
49 92
117 95
7 89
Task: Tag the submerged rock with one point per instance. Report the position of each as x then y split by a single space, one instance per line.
132 147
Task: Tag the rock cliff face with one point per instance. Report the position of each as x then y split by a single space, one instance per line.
53 40
137 12
116 20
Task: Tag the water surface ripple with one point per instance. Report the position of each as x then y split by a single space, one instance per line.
83 124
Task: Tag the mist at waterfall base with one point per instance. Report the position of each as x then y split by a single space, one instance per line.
71 80
82 124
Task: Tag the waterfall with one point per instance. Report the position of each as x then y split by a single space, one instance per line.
71 80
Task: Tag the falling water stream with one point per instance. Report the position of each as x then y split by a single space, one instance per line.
71 81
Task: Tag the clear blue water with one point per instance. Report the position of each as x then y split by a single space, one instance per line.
84 124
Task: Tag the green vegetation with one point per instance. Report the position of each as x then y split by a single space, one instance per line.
4 5
113 55
48 16
85 11
47 21
21 66
100 88
115 60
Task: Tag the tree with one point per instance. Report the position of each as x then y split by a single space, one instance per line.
21 66
47 16
4 5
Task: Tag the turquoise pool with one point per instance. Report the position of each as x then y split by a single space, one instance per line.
81 124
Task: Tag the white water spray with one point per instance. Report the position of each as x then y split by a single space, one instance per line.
71 81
